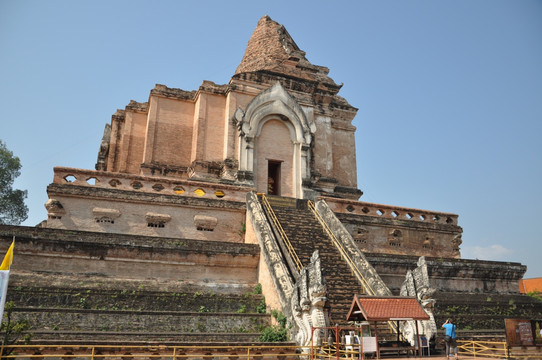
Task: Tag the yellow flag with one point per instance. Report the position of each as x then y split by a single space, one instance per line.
8 259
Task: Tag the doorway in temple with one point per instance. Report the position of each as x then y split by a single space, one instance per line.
273 177
274 158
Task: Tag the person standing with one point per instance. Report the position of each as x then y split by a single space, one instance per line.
450 338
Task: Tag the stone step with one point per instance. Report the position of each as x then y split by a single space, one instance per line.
307 235
280 201
484 298
77 320
80 253
476 311
106 306
97 299
140 338
20 279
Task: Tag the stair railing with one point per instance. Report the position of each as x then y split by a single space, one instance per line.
283 235
355 270
342 250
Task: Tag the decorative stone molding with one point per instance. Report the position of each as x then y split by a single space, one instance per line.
228 169
173 93
271 103
348 192
157 169
102 212
137 107
54 208
395 238
456 243
307 303
205 223
417 285
245 176
157 218
204 170
104 148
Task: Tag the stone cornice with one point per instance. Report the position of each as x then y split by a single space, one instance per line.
173 93
24 234
137 107
140 197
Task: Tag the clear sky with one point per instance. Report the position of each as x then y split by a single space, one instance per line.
449 93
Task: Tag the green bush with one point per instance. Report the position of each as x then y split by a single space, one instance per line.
257 289
274 334
261 308
13 330
280 318
535 295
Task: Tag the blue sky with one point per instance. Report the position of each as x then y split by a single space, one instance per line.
449 93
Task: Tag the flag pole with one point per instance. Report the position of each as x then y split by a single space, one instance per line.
4 277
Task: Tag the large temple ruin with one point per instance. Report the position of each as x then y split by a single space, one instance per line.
216 190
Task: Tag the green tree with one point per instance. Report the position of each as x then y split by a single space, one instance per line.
13 210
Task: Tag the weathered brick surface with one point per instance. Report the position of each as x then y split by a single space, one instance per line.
133 207
105 310
80 297
481 312
142 321
97 286
190 134
271 48
451 275
401 236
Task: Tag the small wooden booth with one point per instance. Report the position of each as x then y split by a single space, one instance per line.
387 309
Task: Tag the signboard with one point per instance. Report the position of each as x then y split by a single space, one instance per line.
369 344
523 332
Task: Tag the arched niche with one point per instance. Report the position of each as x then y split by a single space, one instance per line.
275 104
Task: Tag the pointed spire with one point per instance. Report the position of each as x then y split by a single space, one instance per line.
272 48
265 49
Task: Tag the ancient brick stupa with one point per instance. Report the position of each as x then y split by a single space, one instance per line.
173 206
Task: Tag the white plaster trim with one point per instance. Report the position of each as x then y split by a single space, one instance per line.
273 103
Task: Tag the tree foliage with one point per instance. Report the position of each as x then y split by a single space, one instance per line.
535 295
275 333
13 210
13 330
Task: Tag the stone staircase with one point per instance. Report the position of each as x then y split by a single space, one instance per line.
484 313
63 309
307 235
77 306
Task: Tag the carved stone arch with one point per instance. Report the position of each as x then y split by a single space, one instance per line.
276 100
275 103
291 128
